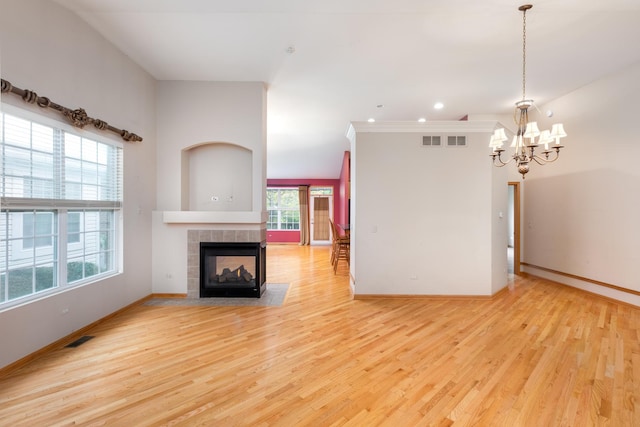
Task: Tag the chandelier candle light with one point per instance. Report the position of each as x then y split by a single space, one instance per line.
528 137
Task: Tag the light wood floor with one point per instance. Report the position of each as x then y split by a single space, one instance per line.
538 355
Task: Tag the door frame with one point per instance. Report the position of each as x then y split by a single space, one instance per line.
312 220
516 226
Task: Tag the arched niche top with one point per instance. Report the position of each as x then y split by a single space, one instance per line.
206 143
217 176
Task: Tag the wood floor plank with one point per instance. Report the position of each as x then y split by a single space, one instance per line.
537 354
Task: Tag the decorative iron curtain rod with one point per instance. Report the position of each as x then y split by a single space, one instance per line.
77 118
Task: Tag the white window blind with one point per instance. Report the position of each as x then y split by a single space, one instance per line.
42 162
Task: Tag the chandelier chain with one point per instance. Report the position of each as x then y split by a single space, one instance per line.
524 52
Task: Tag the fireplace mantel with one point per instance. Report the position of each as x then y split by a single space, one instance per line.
212 217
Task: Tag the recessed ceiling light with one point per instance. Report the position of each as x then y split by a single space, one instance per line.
380 105
422 120
371 120
438 105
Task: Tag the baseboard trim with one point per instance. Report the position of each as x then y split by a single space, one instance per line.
432 297
168 296
66 339
605 290
582 279
424 297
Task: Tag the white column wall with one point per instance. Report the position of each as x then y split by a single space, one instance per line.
426 220
192 113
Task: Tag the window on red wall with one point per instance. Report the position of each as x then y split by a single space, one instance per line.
283 208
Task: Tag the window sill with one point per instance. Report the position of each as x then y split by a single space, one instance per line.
48 293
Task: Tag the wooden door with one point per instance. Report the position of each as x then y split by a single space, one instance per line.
321 209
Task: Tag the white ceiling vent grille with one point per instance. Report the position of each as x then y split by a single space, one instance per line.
431 141
456 141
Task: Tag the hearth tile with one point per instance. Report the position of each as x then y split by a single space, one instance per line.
243 236
229 236
205 235
193 271
193 248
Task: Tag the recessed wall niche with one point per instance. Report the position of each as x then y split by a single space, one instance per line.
217 176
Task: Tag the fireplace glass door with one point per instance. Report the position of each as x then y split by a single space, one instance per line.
231 269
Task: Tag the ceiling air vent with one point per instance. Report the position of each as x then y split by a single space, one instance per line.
456 141
431 141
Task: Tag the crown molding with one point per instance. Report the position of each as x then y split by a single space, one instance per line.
452 126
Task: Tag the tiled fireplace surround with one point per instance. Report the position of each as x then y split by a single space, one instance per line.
194 237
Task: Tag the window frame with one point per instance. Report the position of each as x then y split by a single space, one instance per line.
62 244
282 212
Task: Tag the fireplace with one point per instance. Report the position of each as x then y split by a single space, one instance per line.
232 269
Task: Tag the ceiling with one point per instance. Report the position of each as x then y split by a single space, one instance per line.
328 63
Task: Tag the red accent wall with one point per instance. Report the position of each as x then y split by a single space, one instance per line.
345 190
281 236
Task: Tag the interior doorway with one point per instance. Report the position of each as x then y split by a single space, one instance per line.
513 243
320 210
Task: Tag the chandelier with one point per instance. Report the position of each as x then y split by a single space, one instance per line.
528 137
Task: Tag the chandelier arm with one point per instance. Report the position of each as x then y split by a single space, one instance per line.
539 160
497 159
542 161
556 151
535 157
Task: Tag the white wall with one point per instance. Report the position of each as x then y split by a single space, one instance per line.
48 49
499 220
581 213
426 219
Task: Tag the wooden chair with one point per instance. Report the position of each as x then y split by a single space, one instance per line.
333 241
340 248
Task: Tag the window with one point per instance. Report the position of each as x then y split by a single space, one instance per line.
97 254
283 209
61 195
73 227
37 228
26 268
320 191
